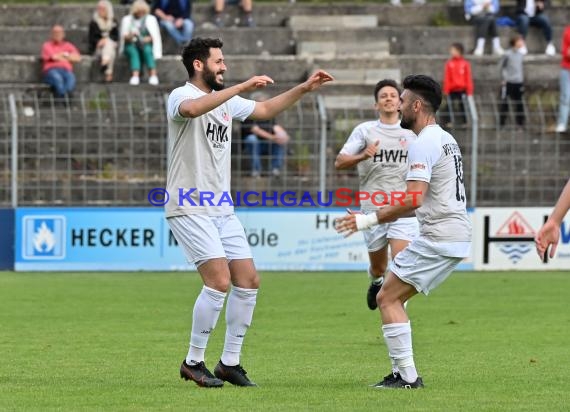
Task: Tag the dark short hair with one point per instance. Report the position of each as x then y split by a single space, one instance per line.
425 87
198 49
459 47
383 83
515 38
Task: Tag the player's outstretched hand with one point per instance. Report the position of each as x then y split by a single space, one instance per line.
317 79
547 237
256 82
346 225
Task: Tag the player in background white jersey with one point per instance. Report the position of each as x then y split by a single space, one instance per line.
379 149
549 234
199 132
436 193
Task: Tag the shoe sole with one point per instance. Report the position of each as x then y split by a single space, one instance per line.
200 383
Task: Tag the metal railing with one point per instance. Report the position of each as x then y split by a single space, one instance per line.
111 149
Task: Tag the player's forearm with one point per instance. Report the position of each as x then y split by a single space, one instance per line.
197 107
345 161
270 108
405 208
562 206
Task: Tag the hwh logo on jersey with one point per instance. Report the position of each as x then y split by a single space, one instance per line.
394 156
217 133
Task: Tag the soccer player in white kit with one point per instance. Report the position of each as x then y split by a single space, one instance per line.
379 149
435 171
200 211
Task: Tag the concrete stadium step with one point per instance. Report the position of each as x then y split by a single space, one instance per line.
265 40
419 40
371 42
332 22
265 14
541 70
285 69
342 49
269 14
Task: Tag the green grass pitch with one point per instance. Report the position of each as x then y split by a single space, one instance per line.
482 341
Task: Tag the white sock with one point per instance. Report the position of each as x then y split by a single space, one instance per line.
480 44
394 366
496 43
239 312
398 337
207 310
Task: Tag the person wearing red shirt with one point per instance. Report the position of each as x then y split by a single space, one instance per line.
58 57
457 82
564 83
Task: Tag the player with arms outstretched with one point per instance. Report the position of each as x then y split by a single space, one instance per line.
436 193
200 117
379 150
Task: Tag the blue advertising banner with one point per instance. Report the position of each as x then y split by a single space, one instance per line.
139 239
7 239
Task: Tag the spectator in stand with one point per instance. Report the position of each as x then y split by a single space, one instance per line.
103 37
58 57
457 82
532 12
564 108
131 1
175 17
512 85
246 6
264 138
141 42
482 14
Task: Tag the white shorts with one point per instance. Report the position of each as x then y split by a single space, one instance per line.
422 265
205 237
377 237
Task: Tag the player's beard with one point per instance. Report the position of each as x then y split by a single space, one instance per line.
210 79
406 122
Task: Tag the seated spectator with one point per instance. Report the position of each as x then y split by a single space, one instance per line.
564 108
482 14
58 57
246 5
457 82
532 12
264 138
140 41
125 2
174 16
103 37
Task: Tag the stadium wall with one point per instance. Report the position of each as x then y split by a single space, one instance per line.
115 239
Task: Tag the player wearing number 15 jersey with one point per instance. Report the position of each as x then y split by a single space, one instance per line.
379 150
435 170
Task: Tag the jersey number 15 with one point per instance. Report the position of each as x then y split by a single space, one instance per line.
459 187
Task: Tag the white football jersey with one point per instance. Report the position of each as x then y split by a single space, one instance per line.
386 170
199 169
435 158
